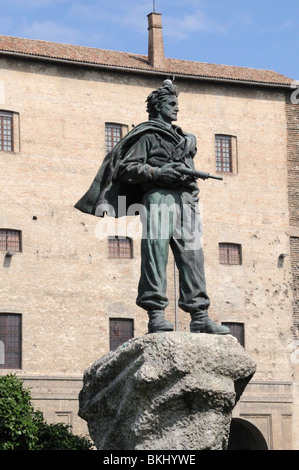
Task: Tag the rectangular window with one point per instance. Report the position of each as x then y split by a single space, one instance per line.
120 247
236 330
223 151
230 253
10 240
10 341
113 134
6 131
121 330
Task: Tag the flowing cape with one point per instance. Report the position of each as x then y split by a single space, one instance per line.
105 189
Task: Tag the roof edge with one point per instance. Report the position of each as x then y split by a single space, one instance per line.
145 71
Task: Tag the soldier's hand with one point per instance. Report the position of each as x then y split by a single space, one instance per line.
169 173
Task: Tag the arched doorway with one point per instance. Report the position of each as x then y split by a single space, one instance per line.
245 436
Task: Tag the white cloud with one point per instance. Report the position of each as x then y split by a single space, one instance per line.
183 27
49 30
286 25
118 12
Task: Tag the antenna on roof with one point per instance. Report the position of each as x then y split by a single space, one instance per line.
154 6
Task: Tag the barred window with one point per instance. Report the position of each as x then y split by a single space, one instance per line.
120 331
10 341
236 330
120 247
113 134
230 253
223 151
6 131
10 240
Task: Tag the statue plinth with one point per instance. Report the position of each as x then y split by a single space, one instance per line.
165 391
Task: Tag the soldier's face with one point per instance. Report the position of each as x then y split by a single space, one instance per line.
169 109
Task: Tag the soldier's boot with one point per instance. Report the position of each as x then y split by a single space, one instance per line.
157 322
201 323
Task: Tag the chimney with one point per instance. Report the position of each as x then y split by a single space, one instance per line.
155 40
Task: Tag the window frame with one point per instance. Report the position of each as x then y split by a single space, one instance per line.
6 114
232 165
229 255
113 344
239 335
6 249
15 131
8 341
123 130
116 254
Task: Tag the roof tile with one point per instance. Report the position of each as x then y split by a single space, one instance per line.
115 59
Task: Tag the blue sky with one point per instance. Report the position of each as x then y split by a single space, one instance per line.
251 33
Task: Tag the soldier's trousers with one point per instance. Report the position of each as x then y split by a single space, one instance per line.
171 219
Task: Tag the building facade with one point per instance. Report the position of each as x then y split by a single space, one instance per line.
69 280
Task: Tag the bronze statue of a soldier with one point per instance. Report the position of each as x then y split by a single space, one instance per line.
153 166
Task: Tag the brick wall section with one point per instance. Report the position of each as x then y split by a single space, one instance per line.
295 270
292 111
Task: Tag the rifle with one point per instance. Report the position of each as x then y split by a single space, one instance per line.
198 174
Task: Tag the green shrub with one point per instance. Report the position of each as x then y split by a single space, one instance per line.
58 437
22 428
18 429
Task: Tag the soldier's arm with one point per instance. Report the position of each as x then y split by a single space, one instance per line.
133 168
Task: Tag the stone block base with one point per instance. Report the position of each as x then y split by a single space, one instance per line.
165 391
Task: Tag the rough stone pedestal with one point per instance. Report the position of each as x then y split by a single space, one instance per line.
165 391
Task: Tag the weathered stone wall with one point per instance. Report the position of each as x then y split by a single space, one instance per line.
292 111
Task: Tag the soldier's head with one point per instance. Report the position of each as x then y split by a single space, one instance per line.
162 103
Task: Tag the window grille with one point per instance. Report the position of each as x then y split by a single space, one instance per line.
10 240
120 247
230 253
223 151
236 330
10 340
113 134
120 331
6 131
